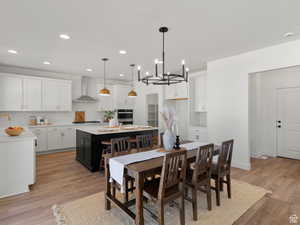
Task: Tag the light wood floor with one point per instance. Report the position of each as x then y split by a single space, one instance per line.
61 179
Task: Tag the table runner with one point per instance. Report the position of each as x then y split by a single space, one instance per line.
117 164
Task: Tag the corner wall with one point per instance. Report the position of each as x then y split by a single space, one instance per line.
228 96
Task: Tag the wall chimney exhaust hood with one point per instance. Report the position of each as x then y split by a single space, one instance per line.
85 98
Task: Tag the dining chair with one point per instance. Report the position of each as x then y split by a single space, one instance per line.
119 145
199 175
170 185
222 168
144 142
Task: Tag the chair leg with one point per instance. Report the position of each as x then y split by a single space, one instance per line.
208 195
161 214
221 184
194 203
114 189
126 192
182 210
228 179
217 181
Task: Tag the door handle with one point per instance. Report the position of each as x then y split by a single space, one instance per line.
279 126
278 121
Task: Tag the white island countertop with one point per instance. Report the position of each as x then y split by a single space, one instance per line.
25 135
102 130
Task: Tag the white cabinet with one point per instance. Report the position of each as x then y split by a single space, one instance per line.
41 134
32 94
54 138
24 93
200 93
177 91
10 93
57 95
68 137
198 134
61 137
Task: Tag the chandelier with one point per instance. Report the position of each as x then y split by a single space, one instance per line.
164 78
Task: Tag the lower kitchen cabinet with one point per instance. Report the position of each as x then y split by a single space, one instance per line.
42 136
55 138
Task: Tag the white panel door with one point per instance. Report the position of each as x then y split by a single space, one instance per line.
54 138
200 93
288 122
32 94
65 96
11 93
68 137
51 95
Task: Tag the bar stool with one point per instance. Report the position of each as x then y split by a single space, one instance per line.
106 149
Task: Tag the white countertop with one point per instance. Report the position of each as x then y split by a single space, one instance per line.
67 125
24 136
101 130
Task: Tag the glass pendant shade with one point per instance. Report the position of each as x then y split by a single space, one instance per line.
132 94
104 92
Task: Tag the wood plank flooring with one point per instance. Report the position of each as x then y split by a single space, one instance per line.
61 179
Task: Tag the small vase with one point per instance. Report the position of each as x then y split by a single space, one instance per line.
169 140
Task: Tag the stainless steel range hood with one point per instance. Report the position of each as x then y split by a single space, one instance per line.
85 98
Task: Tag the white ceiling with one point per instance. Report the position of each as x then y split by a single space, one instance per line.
200 30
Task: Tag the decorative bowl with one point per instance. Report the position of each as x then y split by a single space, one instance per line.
14 131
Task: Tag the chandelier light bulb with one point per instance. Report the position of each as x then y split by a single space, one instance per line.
182 62
147 73
187 69
139 67
156 61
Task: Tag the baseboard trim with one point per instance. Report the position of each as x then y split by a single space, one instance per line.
243 166
56 150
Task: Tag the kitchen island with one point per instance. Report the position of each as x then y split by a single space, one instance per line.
89 141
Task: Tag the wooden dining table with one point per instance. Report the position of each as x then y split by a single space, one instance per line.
139 171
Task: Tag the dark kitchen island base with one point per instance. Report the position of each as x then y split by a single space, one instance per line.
89 147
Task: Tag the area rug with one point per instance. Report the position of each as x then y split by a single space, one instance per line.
90 210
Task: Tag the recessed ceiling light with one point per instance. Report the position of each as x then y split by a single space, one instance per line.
121 75
89 70
64 36
46 63
12 51
122 52
288 34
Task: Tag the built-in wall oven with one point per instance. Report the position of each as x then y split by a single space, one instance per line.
125 116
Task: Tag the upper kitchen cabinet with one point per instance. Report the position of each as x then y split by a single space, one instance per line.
57 95
11 93
32 94
121 99
200 92
177 91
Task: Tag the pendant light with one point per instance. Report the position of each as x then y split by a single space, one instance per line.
104 91
132 93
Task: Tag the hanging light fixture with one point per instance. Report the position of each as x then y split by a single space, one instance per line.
165 78
104 91
132 93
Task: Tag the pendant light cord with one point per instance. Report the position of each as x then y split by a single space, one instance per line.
104 70
163 56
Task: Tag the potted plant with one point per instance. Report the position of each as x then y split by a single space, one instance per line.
108 115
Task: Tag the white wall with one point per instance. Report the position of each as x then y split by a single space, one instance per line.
227 90
263 110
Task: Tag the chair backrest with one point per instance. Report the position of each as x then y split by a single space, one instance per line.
144 141
120 145
173 172
225 155
203 163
